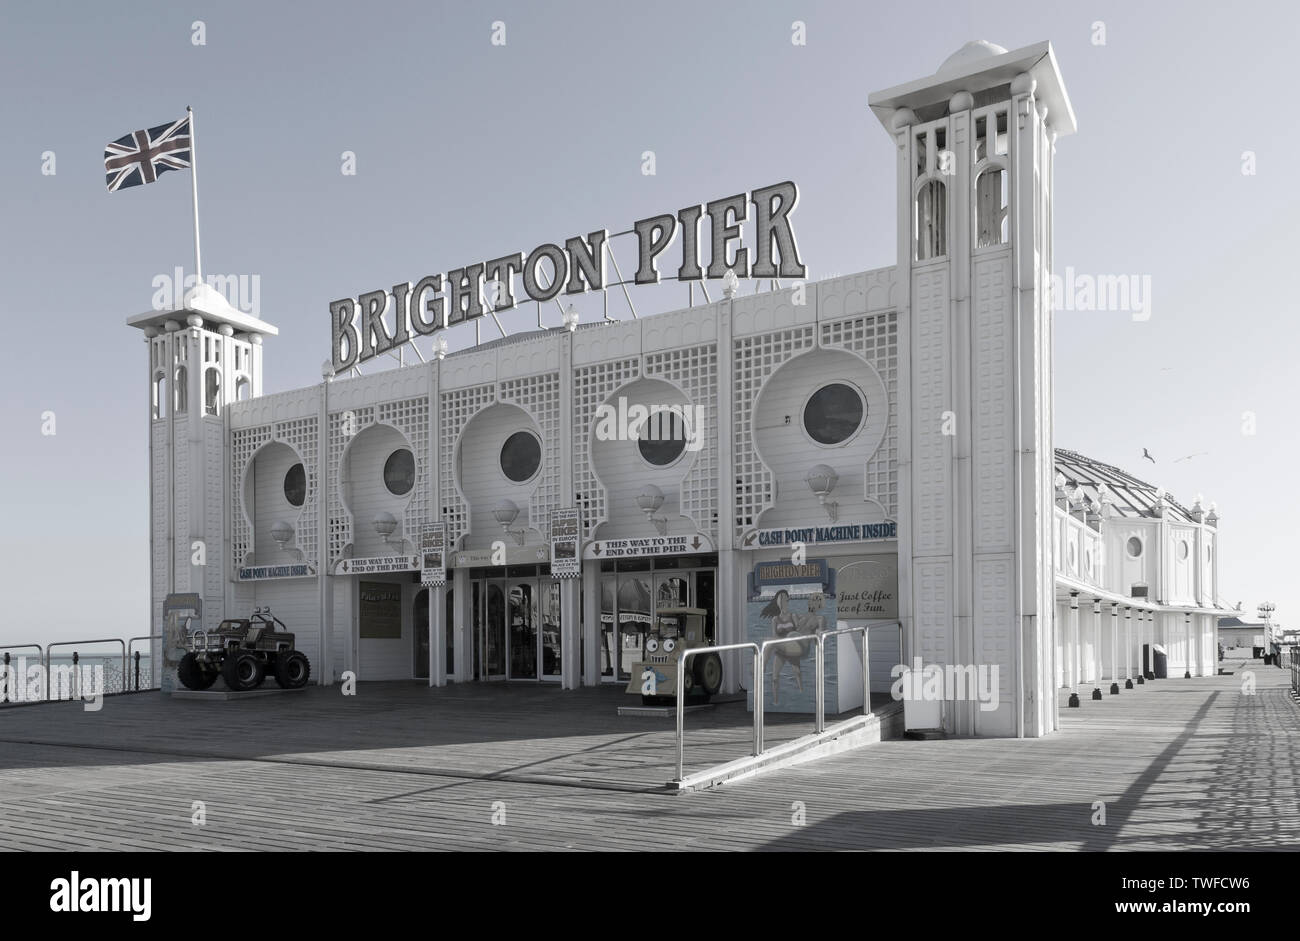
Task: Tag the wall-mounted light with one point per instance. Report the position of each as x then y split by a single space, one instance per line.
385 524
505 513
571 318
821 480
650 499
282 533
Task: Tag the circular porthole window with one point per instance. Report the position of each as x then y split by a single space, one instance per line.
1073 555
399 472
295 485
834 413
661 438
521 456
1182 549
1087 561
1134 546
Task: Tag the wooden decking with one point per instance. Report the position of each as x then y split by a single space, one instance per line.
1178 764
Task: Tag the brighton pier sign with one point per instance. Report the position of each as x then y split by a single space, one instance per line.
438 301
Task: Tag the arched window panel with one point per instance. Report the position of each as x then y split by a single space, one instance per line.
182 386
212 392
990 135
929 224
243 389
160 395
992 226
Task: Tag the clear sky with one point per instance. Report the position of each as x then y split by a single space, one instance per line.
466 151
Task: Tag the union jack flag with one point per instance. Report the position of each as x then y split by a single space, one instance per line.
138 158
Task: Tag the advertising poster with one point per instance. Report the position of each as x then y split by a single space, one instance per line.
566 529
381 610
867 589
794 614
433 564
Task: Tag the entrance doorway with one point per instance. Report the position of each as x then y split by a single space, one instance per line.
516 625
420 615
632 590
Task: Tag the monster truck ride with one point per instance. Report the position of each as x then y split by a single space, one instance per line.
242 651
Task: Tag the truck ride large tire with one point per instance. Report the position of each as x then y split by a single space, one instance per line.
708 673
192 675
292 670
243 670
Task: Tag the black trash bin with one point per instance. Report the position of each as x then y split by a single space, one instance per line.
1160 662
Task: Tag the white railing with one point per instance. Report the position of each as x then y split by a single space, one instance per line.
760 657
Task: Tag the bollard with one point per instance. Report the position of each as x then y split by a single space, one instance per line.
137 671
76 671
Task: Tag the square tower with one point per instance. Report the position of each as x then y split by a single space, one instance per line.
202 356
974 146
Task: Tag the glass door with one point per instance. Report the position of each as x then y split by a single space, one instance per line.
523 634
420 614
490 629
549 636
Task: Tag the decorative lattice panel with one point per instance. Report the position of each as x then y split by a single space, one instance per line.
458 407
244 443
875 339
539 396
695 371
344 426
592 386
301 434
756 358
411 418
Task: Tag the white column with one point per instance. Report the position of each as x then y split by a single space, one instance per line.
1096 643
591 620
438 636
1114 644
570 635
1128 644
462 626
1073 642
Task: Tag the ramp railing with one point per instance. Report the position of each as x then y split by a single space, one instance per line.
759 682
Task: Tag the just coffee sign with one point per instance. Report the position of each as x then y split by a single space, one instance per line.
360 329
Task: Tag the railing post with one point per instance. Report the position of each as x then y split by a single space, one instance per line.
681 712
76 675
866 672
760 694
137 671
6 699
819 725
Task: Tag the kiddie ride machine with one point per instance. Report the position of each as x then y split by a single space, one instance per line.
655 677
242 651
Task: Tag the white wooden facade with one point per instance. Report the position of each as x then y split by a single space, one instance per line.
949 348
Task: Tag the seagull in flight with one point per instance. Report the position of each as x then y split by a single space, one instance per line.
1190 456
1147 454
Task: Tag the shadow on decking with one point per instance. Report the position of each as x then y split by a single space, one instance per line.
484 731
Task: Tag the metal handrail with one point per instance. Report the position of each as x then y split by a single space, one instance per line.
821 671
73 643
130 645
681 695
759 684
9 647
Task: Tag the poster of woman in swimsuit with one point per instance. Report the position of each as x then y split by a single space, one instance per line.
781 617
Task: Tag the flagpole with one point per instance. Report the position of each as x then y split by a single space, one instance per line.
194 183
